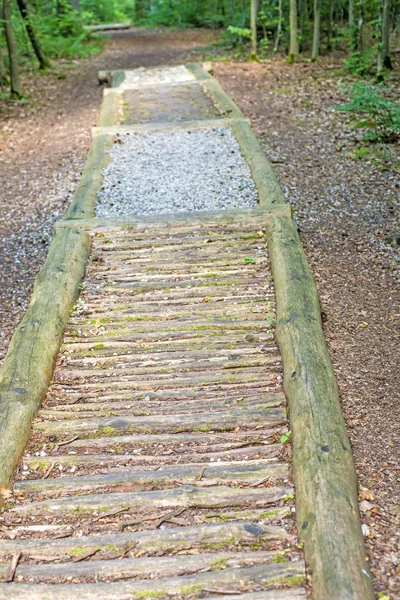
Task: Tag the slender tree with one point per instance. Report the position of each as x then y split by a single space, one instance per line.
15 85
43 61
279 28
351 13
330 24
317 31
253 26
386 60
3 77
294 35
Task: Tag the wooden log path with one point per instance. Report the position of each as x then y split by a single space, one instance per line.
160 462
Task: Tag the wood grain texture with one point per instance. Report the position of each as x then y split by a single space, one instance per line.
326 487
239 579
110 107
83 203
28 366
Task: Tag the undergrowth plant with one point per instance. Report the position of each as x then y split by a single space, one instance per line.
374 112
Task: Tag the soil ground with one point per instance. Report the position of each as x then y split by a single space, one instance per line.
347 209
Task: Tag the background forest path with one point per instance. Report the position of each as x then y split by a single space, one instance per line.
347 209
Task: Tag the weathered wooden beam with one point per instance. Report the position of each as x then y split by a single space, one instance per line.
83 203
28 366
186 496
229 474
113 78
109 26
243 217
326 486
111 108
127 568
155 127
170 541
174 423
240 579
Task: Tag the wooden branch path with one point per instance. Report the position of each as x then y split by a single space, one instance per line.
159 464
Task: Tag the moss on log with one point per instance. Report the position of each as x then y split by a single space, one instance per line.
82 206
110 108
151 542
269 190
326 487
29 363
240 579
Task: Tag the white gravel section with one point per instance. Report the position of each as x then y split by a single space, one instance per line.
176 171
170 75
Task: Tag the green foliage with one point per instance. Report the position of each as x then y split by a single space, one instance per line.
381 115
362 63
180 13
286 437
249 260
107 11
241 32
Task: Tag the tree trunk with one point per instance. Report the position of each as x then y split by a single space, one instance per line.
317 31
3 77
141 9
232 9
12 50
253 24
279 30
351 13
294 38
43 61
243 14
75 5
330 24
386 60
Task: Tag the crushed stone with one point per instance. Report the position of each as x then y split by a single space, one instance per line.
174 172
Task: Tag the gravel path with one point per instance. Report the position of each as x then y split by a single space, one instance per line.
173 172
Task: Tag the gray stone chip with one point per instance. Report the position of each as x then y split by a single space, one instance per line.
167 172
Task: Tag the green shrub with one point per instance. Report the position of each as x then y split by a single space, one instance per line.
379 115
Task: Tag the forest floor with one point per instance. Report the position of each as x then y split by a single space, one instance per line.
347 209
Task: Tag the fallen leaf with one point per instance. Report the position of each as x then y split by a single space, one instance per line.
6 493
366 494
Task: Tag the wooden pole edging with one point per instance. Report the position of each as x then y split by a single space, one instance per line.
28 366
328 518
110 107
83 203
269 190
29 363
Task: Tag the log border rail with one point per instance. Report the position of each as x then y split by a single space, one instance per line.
328 518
